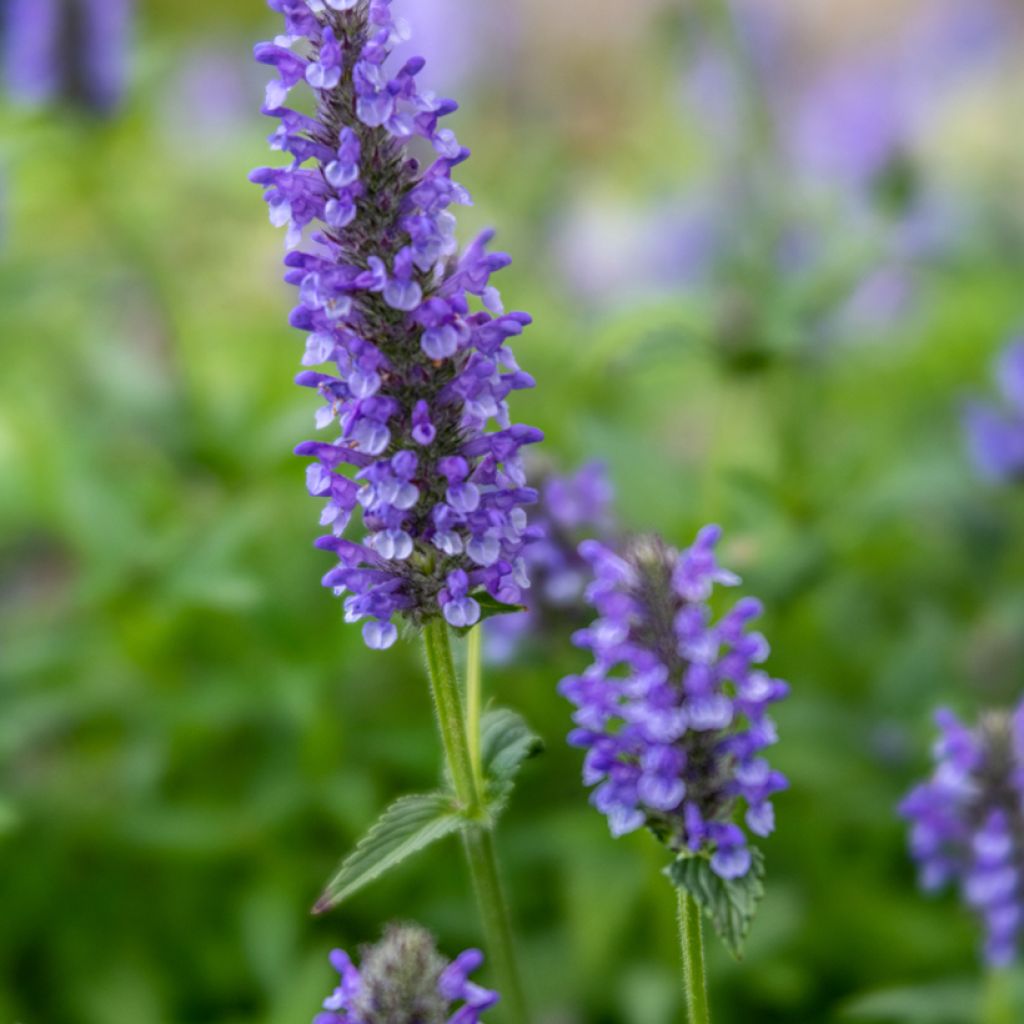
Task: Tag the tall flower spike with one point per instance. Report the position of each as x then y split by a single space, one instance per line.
673 712
422 444
967 821
404 980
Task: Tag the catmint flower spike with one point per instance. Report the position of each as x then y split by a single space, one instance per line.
421 450
673 712
967 821
403 979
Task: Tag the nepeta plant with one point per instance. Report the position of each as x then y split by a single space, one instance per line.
967 823
403 979
995 434
673 715
421 469
420 376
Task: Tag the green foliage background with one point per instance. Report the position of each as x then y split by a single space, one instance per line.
190 737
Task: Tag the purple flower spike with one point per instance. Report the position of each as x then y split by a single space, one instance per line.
995 434
422 451
673 711
967 821
404 978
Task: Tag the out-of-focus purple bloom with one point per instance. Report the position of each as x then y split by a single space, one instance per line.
31 49
77 49
461 39
857 121
879 299
967 822
614 252
995 434
403 979
852 126
421 378
208 99
673 711
571 508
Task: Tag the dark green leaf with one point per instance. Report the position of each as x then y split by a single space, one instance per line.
506 741
409 825
729 905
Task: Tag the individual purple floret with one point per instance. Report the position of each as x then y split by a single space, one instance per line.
405 980
967 821
76 49
571 508
673 713
422 444
996 434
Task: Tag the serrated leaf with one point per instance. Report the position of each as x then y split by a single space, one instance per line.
409 825
729 905
489 608
506 741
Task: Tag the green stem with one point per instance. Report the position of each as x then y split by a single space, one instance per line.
474 699
450 719
694 974
998 999
477 835
497 921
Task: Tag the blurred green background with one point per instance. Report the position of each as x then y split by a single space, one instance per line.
746 322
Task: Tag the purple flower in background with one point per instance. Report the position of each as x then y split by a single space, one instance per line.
571 508
417 335
403 979
462 39
851 126
967 822
673 712
995 434
77 49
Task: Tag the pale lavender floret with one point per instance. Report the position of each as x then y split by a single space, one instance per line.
967 819
403 977
673 711
995 434
423 449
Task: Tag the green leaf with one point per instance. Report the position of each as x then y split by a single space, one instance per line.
729 905
947 1002
506 741
409 825
489 608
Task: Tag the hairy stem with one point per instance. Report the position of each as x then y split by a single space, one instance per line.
478 838
474 700
451 721
691 936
